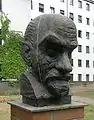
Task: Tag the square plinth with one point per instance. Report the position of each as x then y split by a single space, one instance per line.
21 111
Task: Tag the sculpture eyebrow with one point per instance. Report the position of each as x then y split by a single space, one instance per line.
69 31
60 46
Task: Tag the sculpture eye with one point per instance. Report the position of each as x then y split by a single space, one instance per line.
51 52
53 49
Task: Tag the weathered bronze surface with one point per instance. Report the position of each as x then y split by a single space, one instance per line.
48 43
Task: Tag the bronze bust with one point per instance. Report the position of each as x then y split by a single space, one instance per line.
48 43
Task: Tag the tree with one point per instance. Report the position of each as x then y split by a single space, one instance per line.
12 63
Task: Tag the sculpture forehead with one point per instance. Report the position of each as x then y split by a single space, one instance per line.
54 24
52 21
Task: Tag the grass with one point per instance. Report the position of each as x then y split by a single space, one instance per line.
4 111
4 107
89 112
9 98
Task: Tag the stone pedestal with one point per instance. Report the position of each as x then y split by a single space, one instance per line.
73 111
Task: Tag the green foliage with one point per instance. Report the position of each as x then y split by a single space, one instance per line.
5 26
89 112
12 63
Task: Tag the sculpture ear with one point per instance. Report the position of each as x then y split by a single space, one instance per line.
27 52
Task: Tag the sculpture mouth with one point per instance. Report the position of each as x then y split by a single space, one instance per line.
58 78
58 86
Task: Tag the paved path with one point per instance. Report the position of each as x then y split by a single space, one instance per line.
83 99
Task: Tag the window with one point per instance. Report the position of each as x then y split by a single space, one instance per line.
72 2
80 33
0 5
87 63
79 63
62 12
93 64
87 77
31 5
87 7
52 9
87 21
87 35
79 18
87 49
41 7
79 77
71 79
79 48
79 4
71 16
61 0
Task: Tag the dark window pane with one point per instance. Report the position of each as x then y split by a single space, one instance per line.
79 77
62 12
87 77
79 48
87 63
41 7
80 33
79 63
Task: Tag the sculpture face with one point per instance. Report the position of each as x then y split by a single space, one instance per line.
55 64
51 56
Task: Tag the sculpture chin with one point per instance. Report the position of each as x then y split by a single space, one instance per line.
58 88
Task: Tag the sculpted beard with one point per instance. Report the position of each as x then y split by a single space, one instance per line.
55 82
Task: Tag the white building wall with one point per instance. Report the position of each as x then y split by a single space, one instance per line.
20 13
83 41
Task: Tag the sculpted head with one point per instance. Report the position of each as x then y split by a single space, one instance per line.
49 42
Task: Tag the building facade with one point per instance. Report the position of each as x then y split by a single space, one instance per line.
20 12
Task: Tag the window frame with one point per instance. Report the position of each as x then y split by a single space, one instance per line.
71 16
79 63
79 19
41 7
87 64
87 21
72 2
79 77
87 7
62 12
87 49
87 35
79 4
79 48
87 76
80 33
52 9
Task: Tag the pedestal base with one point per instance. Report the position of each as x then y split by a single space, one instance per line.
21 111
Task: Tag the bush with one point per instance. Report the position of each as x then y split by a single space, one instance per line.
10 59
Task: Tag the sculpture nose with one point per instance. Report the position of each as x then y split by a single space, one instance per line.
63 63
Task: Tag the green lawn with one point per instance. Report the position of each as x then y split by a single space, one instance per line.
9 98
4 111
89 112
4 107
